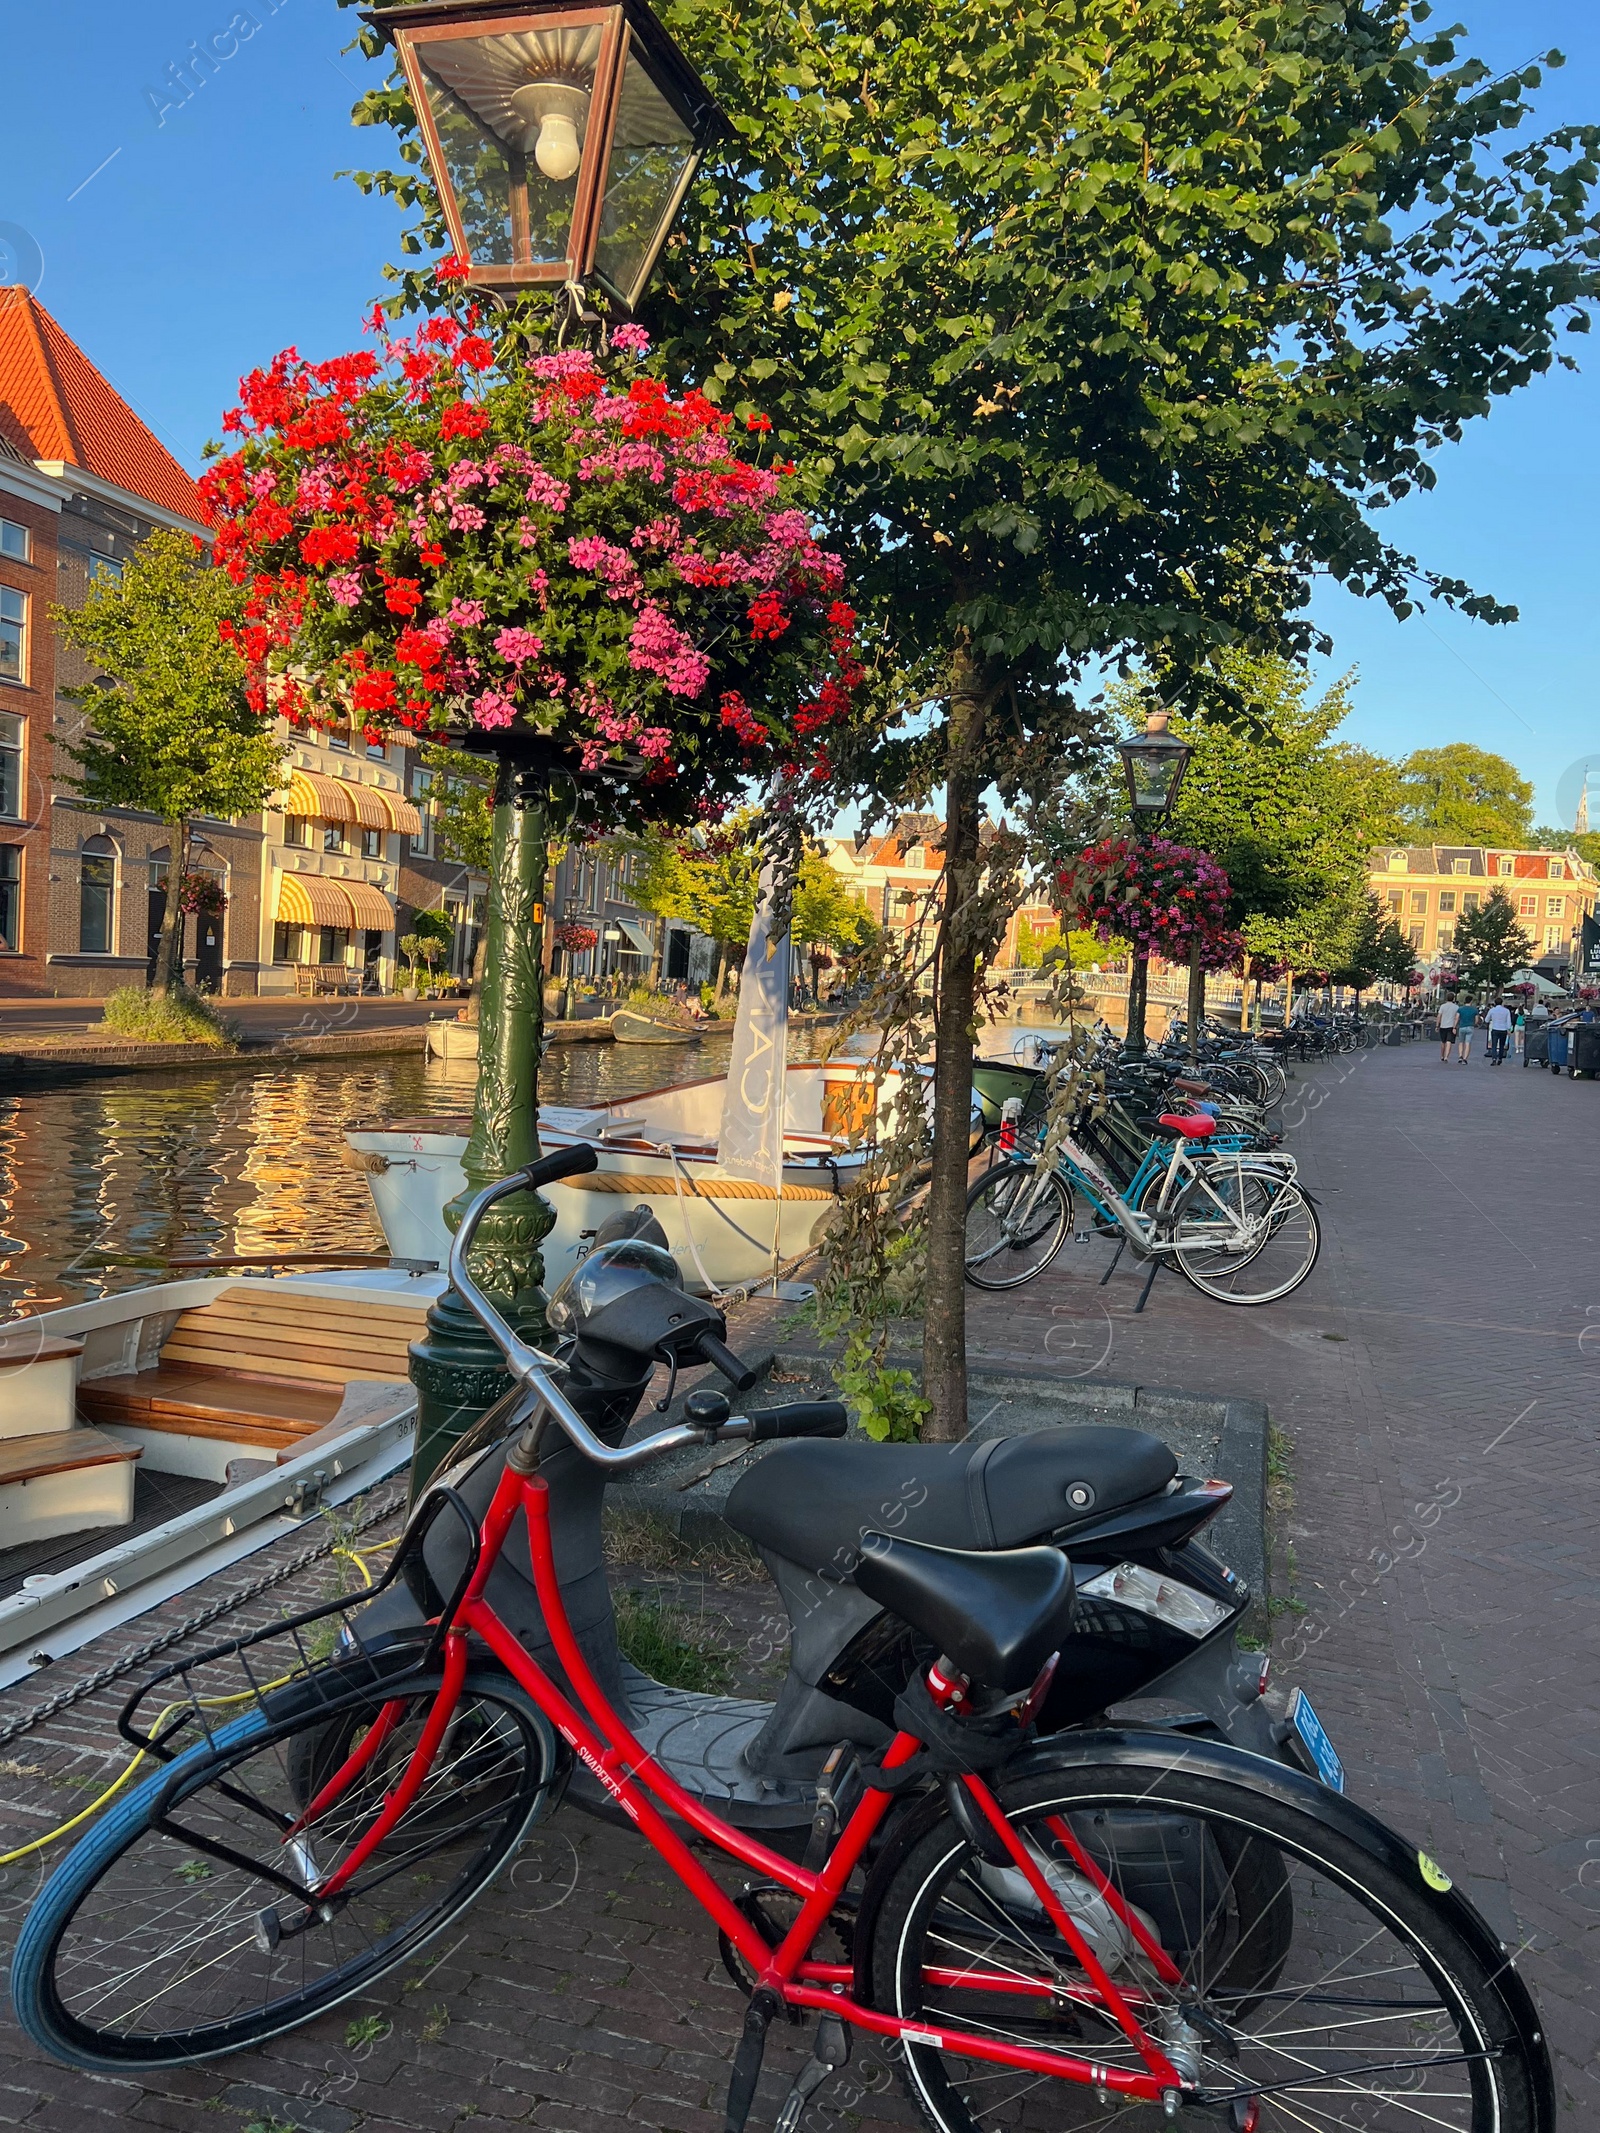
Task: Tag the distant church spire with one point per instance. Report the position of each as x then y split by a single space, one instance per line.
1580 822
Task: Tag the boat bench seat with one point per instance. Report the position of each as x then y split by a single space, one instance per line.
264 1363
59 1451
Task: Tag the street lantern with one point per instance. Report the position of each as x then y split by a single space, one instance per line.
1154 762
561 138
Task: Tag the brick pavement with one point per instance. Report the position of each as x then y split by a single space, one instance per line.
1432 1376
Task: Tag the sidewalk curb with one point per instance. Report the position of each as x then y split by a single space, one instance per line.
85 1062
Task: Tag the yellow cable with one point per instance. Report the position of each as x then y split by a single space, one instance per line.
94 1806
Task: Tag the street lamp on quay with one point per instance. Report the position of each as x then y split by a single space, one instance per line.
1153 763
561 141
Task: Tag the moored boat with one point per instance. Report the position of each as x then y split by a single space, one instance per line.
631 1028
660 1147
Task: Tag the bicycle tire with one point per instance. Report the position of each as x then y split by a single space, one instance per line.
1210 1267
995 1261
1297 1951
115 1890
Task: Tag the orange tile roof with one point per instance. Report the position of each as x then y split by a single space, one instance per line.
54 404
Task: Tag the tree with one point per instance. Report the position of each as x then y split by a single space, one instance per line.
1465 795
708 879
1102 332
828 914
1377 951
1586 843
1490 947
461 800
168 730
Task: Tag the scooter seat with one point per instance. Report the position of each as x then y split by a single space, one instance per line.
811 1501
998 1617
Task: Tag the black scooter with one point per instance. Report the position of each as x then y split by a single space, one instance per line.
1156 1611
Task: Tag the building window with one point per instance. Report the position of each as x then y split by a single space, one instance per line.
1554 938
335 944
1394 902
1527 907
11 733
333 837
1414 936
297 831
422 847
916 857
1558 870
1505 866
1461 866
1447 900
372 844
104 570
1419 901
1469 901
338 737
1555 907
97 889
13 635
10 897
378 749
1446 939
14 541
1397 862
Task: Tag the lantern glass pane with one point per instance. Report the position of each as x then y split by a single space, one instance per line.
1149 779
512 114
651 149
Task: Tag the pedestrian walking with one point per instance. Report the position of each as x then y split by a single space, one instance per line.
1498 1022
1449 1016
1466 1017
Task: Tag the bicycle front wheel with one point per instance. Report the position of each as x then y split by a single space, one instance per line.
1245 1237
1016 1224
186 1924
1293 1959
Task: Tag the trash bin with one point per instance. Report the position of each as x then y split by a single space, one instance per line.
1535 1037
1583 1048
1555 1053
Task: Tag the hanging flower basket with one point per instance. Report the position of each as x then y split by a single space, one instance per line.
202 894
576 939
1163 897
444 536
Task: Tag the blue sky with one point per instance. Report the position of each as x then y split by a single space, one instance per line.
181 252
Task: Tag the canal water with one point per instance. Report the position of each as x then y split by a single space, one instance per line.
146 1167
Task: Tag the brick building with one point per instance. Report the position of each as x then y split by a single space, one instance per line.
82 482
1426 889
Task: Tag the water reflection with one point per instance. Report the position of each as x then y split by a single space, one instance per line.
198 1163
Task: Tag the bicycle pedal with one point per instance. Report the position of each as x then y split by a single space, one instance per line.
830 2052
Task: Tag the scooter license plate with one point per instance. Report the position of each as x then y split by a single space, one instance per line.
1314 1738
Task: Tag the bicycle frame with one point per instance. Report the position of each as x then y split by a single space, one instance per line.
1136 1223
647 1794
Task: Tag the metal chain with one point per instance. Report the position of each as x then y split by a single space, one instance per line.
65 1698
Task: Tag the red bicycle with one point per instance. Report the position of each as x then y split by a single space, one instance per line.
1129 1917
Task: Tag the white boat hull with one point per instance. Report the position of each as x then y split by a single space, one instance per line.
660 1149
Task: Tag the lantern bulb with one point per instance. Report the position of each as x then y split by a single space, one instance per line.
557 151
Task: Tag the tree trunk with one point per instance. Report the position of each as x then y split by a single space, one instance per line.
174 923
1195 1012
724 967
1133 1042
659 956
944 1329
1288 996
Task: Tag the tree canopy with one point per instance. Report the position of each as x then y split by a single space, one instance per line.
167 728
1465 795
1490 946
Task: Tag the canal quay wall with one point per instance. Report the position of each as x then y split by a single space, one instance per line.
72 1058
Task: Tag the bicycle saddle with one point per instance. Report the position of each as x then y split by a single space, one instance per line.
1192 1129
998 1617
812 1502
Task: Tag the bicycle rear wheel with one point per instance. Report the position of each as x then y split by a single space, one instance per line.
1314 1971
1284 1241
1016 1224
185 1924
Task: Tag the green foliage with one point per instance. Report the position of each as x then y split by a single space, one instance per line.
1465 795
1490 946
433 926
172 1018
1586 843
461 800
1377 950
828 913
168 729
887 1403
665 1644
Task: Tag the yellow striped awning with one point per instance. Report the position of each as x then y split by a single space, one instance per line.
307 900
323 799
370 811
373 910
402 815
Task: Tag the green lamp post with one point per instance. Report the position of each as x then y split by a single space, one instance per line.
561 140
1153 763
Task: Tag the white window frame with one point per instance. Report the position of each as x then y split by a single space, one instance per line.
8 546
16 611
14 741
104 569
1555 907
